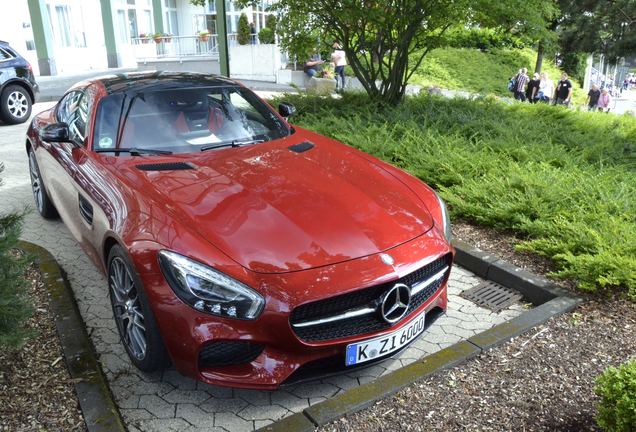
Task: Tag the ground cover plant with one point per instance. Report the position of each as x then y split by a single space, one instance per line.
561 179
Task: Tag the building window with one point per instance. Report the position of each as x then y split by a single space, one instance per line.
63 25
203 22
122 24
172 23
132 22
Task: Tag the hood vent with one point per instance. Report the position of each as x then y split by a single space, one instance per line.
301 147
167 166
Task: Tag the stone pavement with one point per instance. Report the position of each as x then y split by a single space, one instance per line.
168 401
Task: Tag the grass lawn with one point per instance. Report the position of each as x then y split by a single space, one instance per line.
564 180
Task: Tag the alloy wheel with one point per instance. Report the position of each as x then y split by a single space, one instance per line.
128 313
18 104
36 182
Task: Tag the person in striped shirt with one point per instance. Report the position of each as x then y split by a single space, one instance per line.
521 79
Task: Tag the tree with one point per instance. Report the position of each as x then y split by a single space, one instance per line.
386 41
243 35
590 26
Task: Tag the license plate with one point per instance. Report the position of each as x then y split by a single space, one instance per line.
371 349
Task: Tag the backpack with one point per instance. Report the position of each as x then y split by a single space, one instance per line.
512 84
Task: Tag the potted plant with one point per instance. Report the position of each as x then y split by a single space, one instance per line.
204 35
144 38
162 37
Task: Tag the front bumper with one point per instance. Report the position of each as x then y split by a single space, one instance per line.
274 354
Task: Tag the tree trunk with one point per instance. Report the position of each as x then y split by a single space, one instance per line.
540 52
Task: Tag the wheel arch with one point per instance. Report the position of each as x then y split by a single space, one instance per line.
109 243
22 84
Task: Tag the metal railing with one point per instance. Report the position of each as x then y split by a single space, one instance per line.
175 47
180 47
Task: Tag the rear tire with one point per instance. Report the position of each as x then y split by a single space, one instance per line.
42 201
136 323
15 104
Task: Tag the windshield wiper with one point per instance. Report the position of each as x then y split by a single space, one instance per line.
135 151
233 143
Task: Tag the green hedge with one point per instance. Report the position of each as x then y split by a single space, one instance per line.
563 180
617 390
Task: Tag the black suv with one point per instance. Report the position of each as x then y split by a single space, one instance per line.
17 86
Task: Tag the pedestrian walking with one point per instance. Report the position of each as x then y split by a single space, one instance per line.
592 98
339 61
521 79
532 92
605 101
563 91
546 88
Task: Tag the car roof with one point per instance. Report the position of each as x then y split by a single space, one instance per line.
138 82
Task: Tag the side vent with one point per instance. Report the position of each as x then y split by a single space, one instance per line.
301 147
85 209
168 166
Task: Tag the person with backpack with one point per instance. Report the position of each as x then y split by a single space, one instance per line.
512 82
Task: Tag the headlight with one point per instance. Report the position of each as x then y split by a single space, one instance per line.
208 290
448 235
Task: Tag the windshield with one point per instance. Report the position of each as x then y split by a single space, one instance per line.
185 120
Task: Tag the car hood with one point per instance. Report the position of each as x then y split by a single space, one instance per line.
274 210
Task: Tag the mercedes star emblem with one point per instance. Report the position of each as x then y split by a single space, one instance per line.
395 303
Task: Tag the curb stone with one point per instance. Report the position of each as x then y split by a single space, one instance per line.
548 299
96 401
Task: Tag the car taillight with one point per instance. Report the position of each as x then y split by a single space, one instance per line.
30 67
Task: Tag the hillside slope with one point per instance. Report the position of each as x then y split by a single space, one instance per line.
482 72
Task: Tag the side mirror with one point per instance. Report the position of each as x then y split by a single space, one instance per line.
286 109
56 132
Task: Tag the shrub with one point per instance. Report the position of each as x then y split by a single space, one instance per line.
562 180
243 34
617 390
266 36
270 22
15 308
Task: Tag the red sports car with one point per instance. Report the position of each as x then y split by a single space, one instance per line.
247 251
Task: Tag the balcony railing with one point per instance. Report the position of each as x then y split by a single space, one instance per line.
175 47
180 47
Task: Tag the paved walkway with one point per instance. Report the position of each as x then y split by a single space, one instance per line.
52 88
168 401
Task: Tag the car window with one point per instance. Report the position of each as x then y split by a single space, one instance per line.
190 119
5 54
107 122
73 110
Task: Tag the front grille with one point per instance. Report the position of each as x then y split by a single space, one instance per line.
369 297
227 353
335 365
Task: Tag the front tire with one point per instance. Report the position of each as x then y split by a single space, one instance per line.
15 104
42 201
136 323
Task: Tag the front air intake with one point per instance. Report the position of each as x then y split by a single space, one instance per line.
167 166
228 353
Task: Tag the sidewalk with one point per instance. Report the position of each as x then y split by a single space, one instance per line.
52 88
